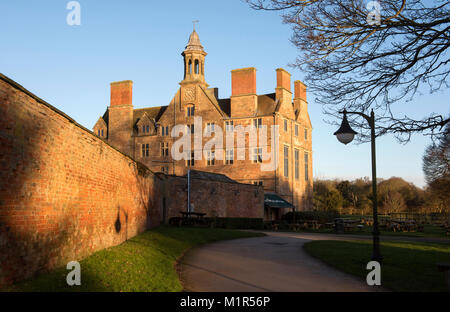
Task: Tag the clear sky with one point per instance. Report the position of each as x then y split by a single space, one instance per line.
71 66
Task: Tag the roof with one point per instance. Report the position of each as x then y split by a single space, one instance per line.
194 42
152 112
195 174
266 105
273 200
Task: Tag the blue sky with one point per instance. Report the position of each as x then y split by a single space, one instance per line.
71 66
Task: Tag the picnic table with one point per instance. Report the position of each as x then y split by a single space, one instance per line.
192 218
402 225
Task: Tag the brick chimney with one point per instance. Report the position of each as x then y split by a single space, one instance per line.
120 126
299 90
243 92
300 102
121 93
283 89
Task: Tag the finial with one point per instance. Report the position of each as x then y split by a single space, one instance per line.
193 22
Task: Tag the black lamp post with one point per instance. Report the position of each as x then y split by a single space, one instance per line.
345 134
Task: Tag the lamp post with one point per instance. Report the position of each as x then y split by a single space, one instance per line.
345 134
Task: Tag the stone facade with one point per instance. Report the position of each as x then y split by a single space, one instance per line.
150 129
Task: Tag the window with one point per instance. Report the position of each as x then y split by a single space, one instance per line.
145 150
257 155
257 123
210 158
286 161
164 130
164 149
190 110
258 183
190 67
229 156
165 169
210 127
145 129
296 130
190 129
285 125
229 125
306 134
190 162
98 131
296 165
306 166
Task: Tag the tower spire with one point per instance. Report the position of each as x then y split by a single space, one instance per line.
194 59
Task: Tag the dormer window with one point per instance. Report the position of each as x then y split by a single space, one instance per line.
145 129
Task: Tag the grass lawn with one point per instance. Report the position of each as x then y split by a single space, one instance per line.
407 266
143 263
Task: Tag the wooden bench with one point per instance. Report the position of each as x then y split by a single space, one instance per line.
445 267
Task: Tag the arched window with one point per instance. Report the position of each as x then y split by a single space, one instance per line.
196 67
190 67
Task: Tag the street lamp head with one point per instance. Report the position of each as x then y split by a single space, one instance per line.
345 133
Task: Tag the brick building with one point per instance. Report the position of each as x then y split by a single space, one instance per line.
145 134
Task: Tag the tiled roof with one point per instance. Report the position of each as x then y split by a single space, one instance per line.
210 176
152 113
266 105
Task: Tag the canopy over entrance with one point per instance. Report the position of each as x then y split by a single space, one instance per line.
274 201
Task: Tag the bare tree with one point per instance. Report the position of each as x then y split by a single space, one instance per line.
362 56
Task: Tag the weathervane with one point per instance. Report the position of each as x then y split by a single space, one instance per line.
193 22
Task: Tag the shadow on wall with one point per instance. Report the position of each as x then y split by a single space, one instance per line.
19 191
50 186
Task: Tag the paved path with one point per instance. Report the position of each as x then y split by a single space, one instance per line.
276 262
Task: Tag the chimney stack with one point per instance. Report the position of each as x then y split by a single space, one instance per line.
120 126
243 92
299 90
121 93
300 103
283 90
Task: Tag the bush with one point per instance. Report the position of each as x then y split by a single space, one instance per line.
321 216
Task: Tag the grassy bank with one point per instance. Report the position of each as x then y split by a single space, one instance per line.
406 266
143 263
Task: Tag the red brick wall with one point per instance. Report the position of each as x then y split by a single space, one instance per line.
216 199
64 193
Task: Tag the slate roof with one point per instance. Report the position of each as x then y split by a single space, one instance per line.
152 112
266 105
210 176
